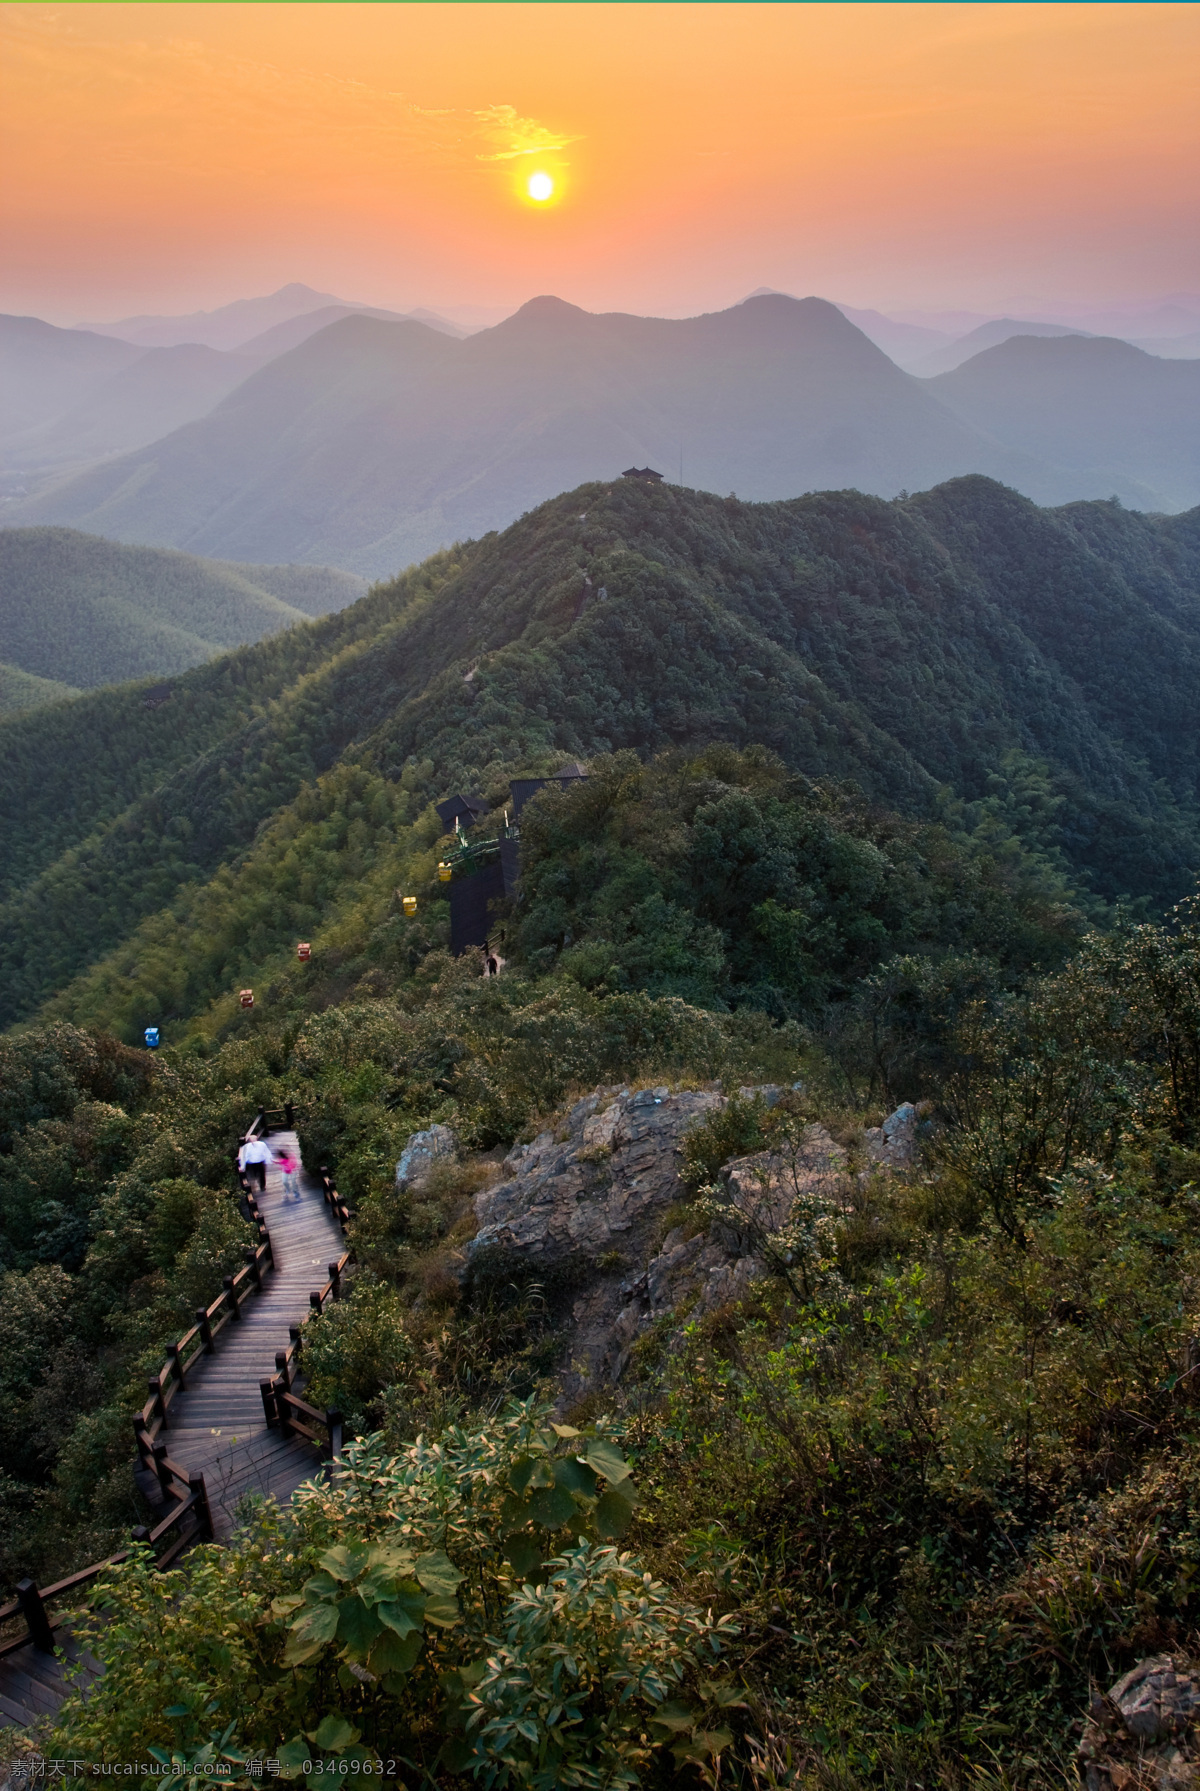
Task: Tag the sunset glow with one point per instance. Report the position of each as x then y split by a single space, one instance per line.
165 156
540 187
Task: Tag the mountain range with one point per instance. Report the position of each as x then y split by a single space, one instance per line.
69 397
244 322
1028 676
375 442
77 611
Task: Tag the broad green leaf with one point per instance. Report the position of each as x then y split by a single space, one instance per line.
283 1607
704 1745
614 1509
576 1477
160 1754
518 1474
441 1609
525 1553
377 1582
358 1626
334 1733
395 1557
607 1460
310 1632
675 1717
321 1585
552 1506
394 1654
403 1613
514 1513
437 1572
177 1710
342 1563
565 1431
542 1475
293 1755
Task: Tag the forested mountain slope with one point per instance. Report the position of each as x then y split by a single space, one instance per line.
1024 674
21 690
86 612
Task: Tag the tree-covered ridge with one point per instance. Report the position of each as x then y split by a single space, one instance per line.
1025 673
85 611
21 690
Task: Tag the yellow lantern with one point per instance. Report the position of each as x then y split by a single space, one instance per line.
410 904
444 872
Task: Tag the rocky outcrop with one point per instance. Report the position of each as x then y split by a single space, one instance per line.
595 1194
1145 1734
598 1185
437 1144
894 1143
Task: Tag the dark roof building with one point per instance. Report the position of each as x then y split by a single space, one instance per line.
525 787
642 472
466 809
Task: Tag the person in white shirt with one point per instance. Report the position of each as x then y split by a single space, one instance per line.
253 1158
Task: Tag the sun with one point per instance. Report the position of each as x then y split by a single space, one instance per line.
540 187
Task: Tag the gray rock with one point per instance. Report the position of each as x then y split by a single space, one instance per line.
894 1143
437 1144
1144 1732
596 1185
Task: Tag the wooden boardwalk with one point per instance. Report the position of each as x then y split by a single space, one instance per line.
218 1427
33 1684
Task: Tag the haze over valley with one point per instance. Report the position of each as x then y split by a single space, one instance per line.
363 439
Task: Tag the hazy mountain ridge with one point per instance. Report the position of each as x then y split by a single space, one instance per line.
83 611
373 442
1094 407
1044 665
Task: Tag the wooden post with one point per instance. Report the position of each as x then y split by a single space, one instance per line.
202 1507
281 1368
161 1469
252 1264
41 1632
281 1406
289 1113
314 1300
205 1330
156 1394
235 1310
335 1279
140 1534
175 1356
267 1389
333 1421
144 1446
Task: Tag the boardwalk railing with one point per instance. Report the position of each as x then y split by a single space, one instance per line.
189 1520
190 1517
181 1357
283 1408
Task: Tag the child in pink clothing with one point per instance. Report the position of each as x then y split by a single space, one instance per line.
291 1175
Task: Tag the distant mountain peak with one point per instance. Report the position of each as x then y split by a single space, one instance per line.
544 307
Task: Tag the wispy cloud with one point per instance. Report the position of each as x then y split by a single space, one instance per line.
510 136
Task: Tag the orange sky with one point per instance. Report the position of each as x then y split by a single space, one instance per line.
164 157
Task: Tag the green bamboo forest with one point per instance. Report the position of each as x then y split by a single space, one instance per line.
885 802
